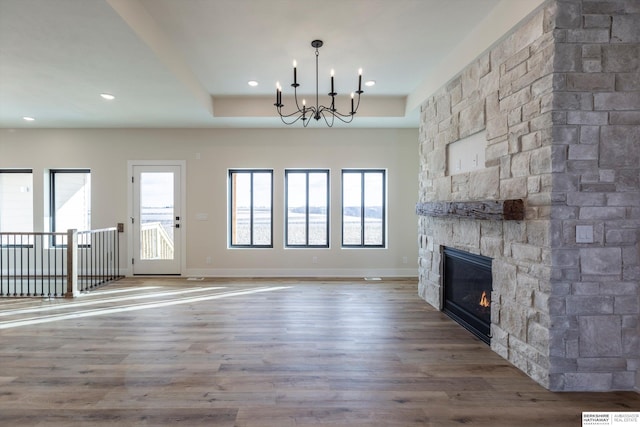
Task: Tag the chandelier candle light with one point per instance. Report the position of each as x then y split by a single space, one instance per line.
329 114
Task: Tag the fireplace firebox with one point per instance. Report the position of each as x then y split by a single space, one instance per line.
467 291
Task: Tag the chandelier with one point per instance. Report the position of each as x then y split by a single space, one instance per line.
304 112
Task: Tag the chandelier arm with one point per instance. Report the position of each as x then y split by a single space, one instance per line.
289 123
306 122
310 110
347 117
288 115
295 97
339 116
358 104
327 121
324 111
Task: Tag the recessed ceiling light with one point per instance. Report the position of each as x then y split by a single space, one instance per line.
370 83
107 96
252 83
28 119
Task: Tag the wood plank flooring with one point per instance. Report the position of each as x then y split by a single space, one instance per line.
245 353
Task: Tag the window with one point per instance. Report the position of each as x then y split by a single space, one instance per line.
307 208
70 194
16 204
363 208
250 208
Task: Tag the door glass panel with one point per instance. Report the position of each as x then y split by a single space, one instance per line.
156 215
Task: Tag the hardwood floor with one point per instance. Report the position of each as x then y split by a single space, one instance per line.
281 353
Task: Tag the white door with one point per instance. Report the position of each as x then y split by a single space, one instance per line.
156 220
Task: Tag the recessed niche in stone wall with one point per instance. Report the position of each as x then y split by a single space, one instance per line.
466 154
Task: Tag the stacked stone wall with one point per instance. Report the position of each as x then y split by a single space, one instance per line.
558 100
596 183
506 94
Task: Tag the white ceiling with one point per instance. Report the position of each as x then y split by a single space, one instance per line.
186 63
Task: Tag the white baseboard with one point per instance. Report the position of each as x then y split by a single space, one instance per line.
294 272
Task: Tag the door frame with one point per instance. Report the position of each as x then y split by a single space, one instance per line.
183 208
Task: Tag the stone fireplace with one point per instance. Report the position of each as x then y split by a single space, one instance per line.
549 116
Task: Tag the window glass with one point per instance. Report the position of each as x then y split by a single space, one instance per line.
351 208
250 208
16 200
16 204
70 200
363 208
307 208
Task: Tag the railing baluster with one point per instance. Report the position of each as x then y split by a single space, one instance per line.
48 268
102 260
15 265
83 248
2 245
87 253
94 247
22 248
114 235
55 266
117 244
21 270
72 263
39 239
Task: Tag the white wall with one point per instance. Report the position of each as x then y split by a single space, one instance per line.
106 152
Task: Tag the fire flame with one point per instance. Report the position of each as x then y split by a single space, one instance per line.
484 301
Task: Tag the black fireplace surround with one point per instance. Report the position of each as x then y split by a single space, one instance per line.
467 291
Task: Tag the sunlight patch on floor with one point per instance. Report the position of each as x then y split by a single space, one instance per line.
133 307
78 303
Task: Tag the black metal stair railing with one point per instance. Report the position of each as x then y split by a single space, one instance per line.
98 258
44 264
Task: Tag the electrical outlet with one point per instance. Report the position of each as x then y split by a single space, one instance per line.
584 233
404 260
314 260
208 260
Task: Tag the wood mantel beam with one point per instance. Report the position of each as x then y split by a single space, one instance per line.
487 209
